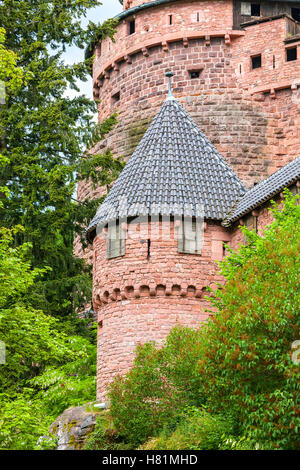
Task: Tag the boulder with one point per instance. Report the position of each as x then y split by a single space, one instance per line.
74 426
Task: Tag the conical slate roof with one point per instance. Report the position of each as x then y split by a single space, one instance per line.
175 170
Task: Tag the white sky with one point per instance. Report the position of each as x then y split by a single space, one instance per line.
108 9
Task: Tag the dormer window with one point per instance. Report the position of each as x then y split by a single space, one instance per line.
115 242
190 236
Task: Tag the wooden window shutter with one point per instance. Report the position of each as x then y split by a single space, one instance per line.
190 237
115 244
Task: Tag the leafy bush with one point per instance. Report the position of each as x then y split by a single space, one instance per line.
22 422
247 351
199 430
105 436
162 382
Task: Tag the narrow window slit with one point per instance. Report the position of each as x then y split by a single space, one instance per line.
149 249
132 27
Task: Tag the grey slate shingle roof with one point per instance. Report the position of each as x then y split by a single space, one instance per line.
174 167
265 190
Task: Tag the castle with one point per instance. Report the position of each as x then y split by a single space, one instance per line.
204 160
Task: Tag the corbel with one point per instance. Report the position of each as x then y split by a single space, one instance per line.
207 40
128 59
165 46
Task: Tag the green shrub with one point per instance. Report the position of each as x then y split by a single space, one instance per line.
247 351
199 430
105 436
162 382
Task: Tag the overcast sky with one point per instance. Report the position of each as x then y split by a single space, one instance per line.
108 9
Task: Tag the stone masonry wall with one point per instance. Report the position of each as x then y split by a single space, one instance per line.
264 218
139 299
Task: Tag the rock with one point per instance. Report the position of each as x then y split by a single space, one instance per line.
74 426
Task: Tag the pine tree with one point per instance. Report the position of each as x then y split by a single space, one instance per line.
43 134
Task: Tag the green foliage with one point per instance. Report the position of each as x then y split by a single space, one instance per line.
238 363
21 422
247 345
49 366
29 335
162 382
46 370
70 384
197 430
43 134
99 32
105 436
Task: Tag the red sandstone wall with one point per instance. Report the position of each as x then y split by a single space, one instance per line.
249 117
152 27
266 39
264 218
139 300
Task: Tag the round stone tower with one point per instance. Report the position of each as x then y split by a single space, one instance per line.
156 238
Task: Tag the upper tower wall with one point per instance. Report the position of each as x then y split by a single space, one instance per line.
162 24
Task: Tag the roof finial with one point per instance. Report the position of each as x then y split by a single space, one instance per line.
170 94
